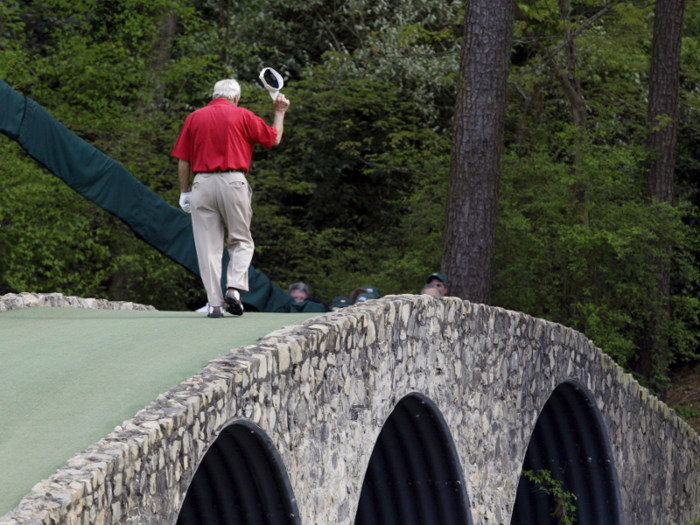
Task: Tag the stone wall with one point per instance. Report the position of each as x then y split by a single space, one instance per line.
323 389
13 301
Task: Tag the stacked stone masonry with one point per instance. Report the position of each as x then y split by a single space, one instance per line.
13 301
323 389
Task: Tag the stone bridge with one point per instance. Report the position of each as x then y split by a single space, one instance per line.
404 410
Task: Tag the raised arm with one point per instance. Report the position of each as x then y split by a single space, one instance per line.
281 104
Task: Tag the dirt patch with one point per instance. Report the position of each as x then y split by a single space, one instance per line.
685 393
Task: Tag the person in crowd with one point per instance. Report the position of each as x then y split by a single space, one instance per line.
216 145
299 292
372 290
341 302
438 280
363 297
432 290
355 293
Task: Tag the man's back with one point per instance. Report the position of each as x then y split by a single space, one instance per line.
221 136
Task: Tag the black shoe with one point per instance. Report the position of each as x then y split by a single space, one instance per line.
234 306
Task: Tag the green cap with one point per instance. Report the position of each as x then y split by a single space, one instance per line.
363 297
372 291
436 275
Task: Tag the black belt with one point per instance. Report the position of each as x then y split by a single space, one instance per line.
219 171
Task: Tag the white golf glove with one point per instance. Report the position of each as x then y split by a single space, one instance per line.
185 199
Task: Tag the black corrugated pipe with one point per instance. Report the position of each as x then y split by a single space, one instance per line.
414 476
570 441
241 480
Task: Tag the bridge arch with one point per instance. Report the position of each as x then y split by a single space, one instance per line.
571 442
240 480
414 475
323 390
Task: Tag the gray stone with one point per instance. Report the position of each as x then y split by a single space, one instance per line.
322 391
28 300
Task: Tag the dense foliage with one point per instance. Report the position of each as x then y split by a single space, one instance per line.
355 194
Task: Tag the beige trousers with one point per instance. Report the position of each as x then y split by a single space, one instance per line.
218 200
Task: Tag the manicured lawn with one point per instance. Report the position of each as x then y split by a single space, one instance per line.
68 376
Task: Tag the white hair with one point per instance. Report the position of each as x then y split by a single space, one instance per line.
227 88
299 286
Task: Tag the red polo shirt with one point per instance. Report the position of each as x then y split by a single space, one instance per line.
221 136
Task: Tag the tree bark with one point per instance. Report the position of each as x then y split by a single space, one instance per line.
162 46
477 147
662 115
224 25
664 86
568 79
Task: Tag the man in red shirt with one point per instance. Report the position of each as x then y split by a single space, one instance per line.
216 144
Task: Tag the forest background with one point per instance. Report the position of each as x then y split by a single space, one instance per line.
356 192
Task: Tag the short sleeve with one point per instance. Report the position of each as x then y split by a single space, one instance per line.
182 149
259 132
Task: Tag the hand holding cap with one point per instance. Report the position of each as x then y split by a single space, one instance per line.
281 103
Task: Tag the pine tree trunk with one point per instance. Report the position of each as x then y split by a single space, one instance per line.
663 97
162 47
477 147
663 127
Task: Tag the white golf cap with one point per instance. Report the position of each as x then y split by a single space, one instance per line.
272 81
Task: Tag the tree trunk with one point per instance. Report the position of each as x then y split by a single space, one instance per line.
477 147
224 26
664 83
662 114
568 78
162 46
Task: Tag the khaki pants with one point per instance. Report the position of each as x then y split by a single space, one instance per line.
220 199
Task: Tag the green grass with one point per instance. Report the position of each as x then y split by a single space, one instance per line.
68 376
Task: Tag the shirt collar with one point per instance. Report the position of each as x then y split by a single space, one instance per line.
220 102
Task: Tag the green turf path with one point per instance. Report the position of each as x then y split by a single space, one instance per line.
68 376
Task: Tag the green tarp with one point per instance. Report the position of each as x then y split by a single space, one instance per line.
110 186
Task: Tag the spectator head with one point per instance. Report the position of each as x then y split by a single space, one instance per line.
363 297
372 290
432 290
438 280
355 293
299 291
341 302
228 89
